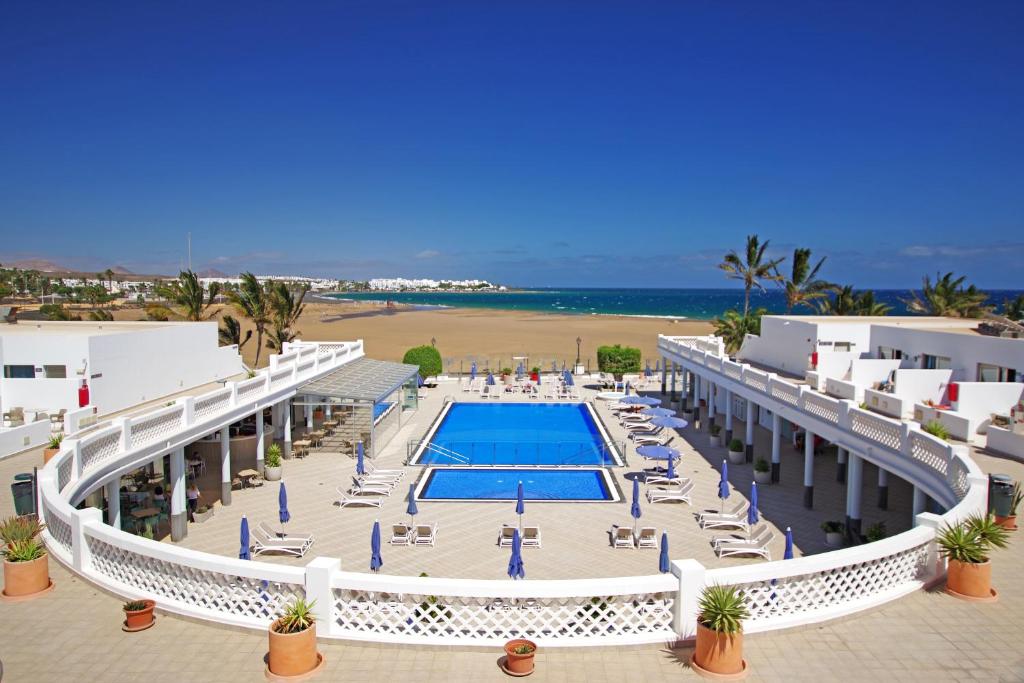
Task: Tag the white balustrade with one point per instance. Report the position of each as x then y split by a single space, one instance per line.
155 426
784 391
875 428
821 406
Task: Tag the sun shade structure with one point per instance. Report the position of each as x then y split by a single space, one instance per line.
364 379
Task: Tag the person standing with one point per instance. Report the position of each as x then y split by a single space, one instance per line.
193 495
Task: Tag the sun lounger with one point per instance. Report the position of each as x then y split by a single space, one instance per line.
660 437
647 538
401 534
730 518
622 537
756 531
347 500
296 546
680 493
359 488
265 530
756 545
377 481
505 536
425 534
659 479
531 536
372 471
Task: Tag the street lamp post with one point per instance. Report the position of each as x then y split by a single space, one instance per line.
578 342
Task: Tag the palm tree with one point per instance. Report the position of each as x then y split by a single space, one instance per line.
231 333
752 268
803 287
109 275
843 301
1014 308
252 300
948 298
100 315
286 311
187 293
734 328
865 304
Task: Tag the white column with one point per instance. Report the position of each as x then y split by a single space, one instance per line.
841 465
920 503
179 517
749 429
883 489
808 468
225 466
672 394
854 485
664 374
113 493
287 408
308 412
776 447
260 445
728 416
712 408
327 408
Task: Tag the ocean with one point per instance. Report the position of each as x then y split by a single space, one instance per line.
697 304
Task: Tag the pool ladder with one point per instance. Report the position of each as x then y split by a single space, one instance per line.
447 452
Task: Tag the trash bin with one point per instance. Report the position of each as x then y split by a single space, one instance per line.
21 489
1000 495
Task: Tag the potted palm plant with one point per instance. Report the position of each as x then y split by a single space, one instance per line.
26 563
762 471
1009 522
966 546
716 439
52 448
736 452
272 467
519 654
293 642
138 615
833 533
719 647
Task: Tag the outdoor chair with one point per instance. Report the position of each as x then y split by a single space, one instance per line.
264 529
647 538
756 545
531 536
622 537
425 534
505 536
347 500
400 534
735 517
680 493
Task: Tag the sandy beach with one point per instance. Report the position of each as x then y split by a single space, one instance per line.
465 334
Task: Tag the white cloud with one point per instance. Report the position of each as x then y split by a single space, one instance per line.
428 253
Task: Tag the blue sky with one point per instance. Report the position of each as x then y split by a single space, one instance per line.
531 143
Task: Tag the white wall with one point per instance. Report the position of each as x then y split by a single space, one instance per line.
785 344
965 350
42 394
835 363
978 400
866 372
921 386
24 437
1005 441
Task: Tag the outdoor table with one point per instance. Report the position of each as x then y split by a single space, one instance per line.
317 437
247 476
301 447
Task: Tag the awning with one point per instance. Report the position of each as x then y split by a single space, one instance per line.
364 379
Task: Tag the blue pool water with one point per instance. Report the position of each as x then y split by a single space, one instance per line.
517 434
453 483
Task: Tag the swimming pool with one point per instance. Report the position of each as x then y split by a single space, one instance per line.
501 484
533 434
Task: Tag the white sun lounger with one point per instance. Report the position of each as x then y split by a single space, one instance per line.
372 471
347 500
662 439
288 546
267 532
531 537
680 493
622 537
647 538
425 534
505 535
360 488
753 533
659 479
400 534
736 517
757 545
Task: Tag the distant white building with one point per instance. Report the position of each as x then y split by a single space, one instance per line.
399 283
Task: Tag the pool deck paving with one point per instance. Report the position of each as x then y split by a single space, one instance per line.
73 633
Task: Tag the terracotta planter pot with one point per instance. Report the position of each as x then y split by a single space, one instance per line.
517 663
1009 522
22 579
973 580
292 654
137 620
48 454
719 653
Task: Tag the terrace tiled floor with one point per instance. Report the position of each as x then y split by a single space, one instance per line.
73 634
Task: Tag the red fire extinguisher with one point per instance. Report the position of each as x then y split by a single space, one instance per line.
814 360
83 395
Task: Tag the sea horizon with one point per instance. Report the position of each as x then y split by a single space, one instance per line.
693 303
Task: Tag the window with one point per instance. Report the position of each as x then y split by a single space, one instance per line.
842 346
995 373
935 362
55 371
19 372
889 352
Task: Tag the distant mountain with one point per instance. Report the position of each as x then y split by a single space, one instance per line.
41 265
212 272
121 270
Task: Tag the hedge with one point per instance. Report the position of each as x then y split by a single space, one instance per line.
427 357
618 359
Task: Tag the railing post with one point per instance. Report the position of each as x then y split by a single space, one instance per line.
318 590
844 420
266 381
188 414
934 563
906 448
80 556
233 400
692 576
76 460
125 425
272 364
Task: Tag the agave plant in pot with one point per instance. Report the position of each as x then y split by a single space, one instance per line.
719 647
737 455
292 636
52 447
966 546
26 563
138 615
519 655
762 471
1009 521
272 466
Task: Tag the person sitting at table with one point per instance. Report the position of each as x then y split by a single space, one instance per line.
193 495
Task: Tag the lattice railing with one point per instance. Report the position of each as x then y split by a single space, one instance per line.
218 593
958 477
307 351
280 377
756 379
332 346
732 370
306 366
770 599
98 449
59 529
875 428
64 472
930 452
456 618
212 403
785 392
150 429
250 388
821 406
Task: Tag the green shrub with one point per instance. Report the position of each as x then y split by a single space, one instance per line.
936 428
55 441
876 532
506 371
135 605
16 529
716 430
618 359
24 550
832 527
761 465
273 455
426 357
735 445
722 609
297 617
